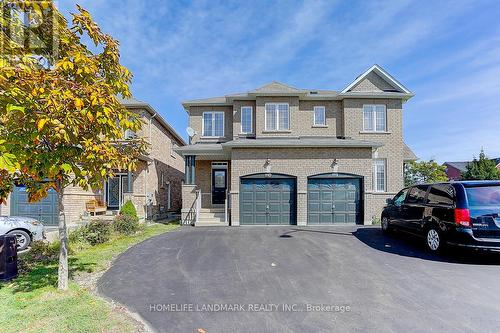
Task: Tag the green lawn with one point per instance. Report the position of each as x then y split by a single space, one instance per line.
32 303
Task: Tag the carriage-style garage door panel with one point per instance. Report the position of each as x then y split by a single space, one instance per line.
44 210
333 200
267 201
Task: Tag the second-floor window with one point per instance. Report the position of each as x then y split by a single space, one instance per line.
374 118
319 115
246 119
213 124
277 117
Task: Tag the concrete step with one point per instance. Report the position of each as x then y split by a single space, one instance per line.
211 223
212 215
212 210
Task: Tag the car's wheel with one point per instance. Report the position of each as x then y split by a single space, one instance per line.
23 239
385 225
434 239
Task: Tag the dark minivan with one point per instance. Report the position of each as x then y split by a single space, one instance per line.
461 213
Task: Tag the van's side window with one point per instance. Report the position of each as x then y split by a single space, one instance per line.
441 194
400 197
417 194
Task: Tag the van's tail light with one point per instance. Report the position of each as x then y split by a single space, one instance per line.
462 217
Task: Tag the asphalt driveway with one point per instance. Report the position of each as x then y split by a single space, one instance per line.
290 279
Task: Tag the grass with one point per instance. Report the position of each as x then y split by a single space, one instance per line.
32 303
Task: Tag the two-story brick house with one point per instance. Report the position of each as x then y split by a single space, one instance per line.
281 155
154 187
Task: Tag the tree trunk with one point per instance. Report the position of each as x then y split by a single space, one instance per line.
63 273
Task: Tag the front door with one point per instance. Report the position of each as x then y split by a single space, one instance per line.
116 186
219 186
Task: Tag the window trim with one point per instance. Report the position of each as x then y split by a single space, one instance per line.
277 129
251 119
374 175
315 123
213 124
374 119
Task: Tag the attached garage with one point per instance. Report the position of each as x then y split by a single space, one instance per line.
44 210
268 199
334 198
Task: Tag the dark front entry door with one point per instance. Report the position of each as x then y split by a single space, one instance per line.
219 186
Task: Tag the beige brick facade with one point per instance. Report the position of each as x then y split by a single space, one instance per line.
344 120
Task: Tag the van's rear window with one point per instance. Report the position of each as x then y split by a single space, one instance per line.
483 195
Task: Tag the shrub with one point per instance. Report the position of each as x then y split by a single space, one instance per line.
96 232
128 209
40 253
126 224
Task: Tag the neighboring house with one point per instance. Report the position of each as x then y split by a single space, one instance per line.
281 155
155 188
454 170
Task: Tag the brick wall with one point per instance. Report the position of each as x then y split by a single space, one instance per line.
393 149
300 162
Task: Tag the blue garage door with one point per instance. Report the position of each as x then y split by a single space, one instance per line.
44 210
333 200
268 201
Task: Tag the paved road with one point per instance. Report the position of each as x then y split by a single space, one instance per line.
388 283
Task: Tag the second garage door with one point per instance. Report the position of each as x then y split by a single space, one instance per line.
44 210
333 200
267 201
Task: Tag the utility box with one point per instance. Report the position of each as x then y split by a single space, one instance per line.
8 257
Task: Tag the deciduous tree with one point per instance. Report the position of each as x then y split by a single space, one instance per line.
424 172
61 123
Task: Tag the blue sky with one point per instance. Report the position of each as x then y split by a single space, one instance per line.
447 53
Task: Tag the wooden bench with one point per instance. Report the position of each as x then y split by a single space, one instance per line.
96 206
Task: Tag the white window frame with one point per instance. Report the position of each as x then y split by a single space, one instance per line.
374 118
324 115
251 119
375 164
213 124
277 129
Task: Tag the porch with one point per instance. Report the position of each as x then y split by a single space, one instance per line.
205 192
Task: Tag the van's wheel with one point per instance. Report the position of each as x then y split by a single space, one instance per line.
385 225
23 239
434 239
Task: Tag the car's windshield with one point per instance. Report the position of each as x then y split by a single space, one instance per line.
483 195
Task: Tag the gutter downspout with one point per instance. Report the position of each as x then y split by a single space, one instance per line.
146 175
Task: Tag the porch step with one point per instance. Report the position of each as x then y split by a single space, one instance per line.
212 215
212 210
211 223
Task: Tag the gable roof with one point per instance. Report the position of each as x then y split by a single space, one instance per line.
461 166
133 103
383 74
408 154
276 87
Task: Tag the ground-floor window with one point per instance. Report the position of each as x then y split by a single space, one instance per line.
379 175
